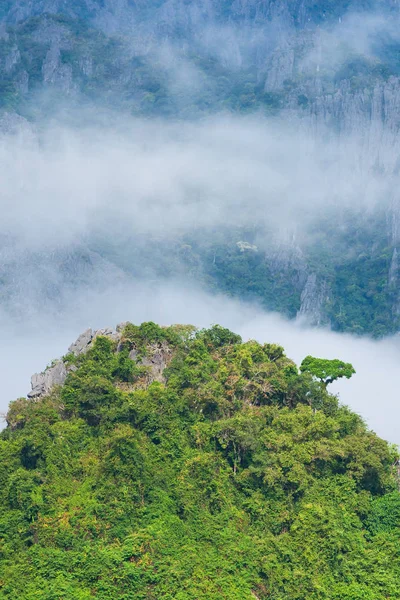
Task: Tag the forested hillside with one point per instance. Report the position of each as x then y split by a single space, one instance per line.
181 464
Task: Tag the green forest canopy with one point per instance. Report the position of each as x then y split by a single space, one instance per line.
235 477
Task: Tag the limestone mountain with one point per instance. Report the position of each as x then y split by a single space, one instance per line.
330 67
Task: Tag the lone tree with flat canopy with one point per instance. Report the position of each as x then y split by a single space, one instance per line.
327 371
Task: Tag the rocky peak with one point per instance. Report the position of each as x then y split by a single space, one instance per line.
56 374
86 339
43 383
156 358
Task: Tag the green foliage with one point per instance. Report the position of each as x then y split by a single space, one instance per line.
139 336
327 371
239 477
218 336
384 516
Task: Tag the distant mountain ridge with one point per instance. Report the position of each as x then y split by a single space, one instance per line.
333 67
245 54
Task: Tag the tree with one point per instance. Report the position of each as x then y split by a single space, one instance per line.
327 371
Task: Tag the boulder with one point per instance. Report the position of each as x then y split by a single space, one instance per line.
82 343
43 383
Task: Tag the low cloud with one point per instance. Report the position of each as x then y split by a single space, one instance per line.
356 35
63 185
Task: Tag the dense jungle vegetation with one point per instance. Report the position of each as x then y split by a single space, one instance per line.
234 476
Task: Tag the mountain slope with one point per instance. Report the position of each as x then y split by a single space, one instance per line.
173 464
197 57
329 68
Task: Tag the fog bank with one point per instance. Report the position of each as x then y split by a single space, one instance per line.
61 186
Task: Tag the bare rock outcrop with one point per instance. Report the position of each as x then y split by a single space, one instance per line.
56 374
86 339
81 345
43 383
156 358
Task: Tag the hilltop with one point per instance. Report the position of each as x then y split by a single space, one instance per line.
173 463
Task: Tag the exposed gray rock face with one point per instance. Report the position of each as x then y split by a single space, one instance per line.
86 339
157 359
22 82
394 269
82 343
43 383
313 300
54 71
51 66
280 67
3 32
288 258
393 282
370 116
133 354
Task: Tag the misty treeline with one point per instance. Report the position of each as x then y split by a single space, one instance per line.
231 475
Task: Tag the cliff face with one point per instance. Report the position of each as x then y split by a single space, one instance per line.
54 44
295 13
169 58
172 13
314 298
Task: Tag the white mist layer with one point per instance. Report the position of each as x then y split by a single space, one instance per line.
63 186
